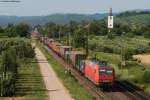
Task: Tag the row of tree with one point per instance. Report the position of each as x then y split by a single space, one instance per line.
79 31
19 30
10 52
98 28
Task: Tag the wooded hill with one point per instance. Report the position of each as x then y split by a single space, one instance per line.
55 18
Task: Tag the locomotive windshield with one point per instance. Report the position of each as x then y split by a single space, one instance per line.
106 71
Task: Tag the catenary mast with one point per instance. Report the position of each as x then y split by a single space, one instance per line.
110 20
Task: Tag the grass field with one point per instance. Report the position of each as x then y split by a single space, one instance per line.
77 91
30 84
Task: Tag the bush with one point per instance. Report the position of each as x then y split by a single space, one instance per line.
108 50
10 51
142 49
110 36
149 44
127 54
130 34
8 72
146 34
22 48
146 75
93 46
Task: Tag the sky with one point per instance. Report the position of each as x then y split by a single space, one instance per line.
47 7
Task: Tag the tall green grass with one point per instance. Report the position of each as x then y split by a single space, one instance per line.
29 83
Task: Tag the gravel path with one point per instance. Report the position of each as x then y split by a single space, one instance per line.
55 89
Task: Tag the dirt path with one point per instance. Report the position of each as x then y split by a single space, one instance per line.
56 91
145 58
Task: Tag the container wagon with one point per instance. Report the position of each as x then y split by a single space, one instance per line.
64 49
76 57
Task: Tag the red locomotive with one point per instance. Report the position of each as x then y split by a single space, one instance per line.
98 72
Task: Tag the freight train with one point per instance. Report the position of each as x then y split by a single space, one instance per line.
98 72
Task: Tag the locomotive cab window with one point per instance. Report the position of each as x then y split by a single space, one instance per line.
106 71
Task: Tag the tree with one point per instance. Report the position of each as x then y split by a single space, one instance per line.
72 26
1 30
8 72
22 29
80 37
51 30
146 34
12 50
10 30
98 28
119 29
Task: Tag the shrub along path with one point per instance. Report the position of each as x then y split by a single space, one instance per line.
56 91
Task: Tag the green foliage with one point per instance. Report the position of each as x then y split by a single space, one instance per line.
134 45
130 34
22 48
110 35
19 30
98 28
120 29
80 38
135 20
149 44
8 72
10 51
22 30
127 54
29 83
146 76
146 34
132 13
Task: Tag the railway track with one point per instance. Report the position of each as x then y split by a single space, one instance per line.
133 93
119 92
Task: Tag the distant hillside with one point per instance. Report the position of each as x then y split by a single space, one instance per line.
134 18
56 18
138 17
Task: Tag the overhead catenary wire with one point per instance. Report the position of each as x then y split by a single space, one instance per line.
15 1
